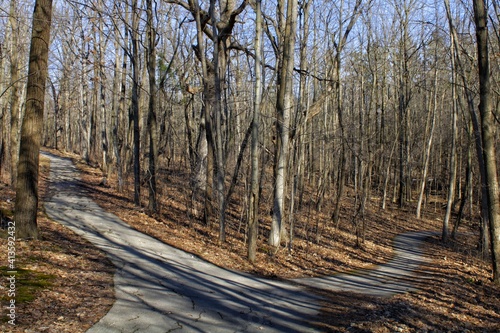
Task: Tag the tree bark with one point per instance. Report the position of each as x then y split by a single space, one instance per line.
453 153
135 102
283 106
430 133
84 113
152 123
26 203
219 66
118 103
14 97
253 215
488 130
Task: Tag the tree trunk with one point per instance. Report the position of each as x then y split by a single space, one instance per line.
488 131
14 97
101 77
84 96
118 104
135 102
152 124
283 105
26 203
430 131
465 191
219 66
253 215
453 153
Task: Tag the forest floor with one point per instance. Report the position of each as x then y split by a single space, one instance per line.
79 291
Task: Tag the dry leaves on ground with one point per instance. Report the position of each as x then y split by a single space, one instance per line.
78 278
456 297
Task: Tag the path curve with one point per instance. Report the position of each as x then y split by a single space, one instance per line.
162 289
399 275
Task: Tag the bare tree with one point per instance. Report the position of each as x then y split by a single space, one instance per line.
253 216
488 130
284 104
134 59
429 130
14 97
26 203
151 123
453 157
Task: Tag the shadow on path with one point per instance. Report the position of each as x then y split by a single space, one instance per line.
162 289
397 276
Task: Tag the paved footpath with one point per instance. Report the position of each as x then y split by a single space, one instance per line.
162 289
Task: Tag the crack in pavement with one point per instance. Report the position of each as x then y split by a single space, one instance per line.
164 289
175 328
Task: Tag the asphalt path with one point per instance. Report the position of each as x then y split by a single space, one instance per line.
159 288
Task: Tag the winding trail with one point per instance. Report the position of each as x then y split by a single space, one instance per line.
162 289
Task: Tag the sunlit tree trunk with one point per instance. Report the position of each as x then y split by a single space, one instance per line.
453 153
284 105
430 134
84 97
103 112
253 216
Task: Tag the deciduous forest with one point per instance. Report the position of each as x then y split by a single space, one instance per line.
263 128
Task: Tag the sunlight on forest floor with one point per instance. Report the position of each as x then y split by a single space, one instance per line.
460 297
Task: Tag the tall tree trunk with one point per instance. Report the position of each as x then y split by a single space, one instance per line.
118 103
403 108
284 105
488 131
84 113
135 102
26 203
102 97
253 215
203 172
430 133
152 124
219 66
14 97
453 153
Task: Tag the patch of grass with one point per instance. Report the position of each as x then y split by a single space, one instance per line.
28 283
5 212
